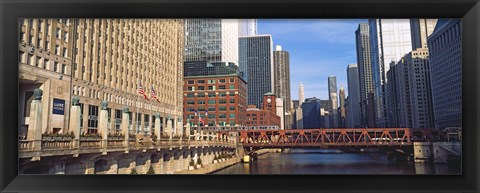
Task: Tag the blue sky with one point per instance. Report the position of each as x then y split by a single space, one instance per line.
318 48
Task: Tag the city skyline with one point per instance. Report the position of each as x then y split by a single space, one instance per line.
326 44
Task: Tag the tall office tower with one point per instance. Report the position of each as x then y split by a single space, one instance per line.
97 68
216 92
211 40
326 113
301 95
341 109
391 95
256 63
362 37
421 29
311 113
281 112
332 90
402 103
281 66
354 119
247 27
445 51
420 88
390 40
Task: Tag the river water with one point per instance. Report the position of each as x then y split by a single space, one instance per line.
304 161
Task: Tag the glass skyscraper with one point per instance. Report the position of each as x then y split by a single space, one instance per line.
390 40
256 66
211 40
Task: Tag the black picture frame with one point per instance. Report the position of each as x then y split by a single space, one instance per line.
468 10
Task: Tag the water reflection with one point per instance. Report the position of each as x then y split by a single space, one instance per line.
334 162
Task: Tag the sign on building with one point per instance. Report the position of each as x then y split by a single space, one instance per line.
58 106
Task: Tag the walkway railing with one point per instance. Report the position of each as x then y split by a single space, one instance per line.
26 147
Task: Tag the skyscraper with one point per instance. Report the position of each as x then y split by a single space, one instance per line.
353 112
342 109
390 40
445 51
421 29
311 113
211 40
332 90
247 27
281 65
301 95
362 37
256 63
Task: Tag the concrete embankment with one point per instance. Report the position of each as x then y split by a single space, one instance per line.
212 167
264 151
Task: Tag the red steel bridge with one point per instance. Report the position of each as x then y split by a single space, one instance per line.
335 138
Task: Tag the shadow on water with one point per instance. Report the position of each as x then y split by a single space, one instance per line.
306 161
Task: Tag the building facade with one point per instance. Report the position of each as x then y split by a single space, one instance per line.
211 40
445 52
421 29
420 90
267 116
311 113
365 80
281 65
354 113
256 66
332 90
390 40
247 27
214 94
99 60
341 109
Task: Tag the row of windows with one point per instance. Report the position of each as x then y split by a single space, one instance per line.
41 62
221 87
192 95
211 109
221 101
210 81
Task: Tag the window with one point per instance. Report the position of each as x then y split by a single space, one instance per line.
221 87
191 88
201 81
232 80
190 102
232 100
232 108
222 81
231 86
222 94
201 102
59 31
232 115
46 63
222 101
211 81
211 94
191 82
211 109
64 68
201 95
55 66
190 95
222 116
211 116
201 87
37 62
232 123
92 118
211 101
232 94
65 36
211 87
222 108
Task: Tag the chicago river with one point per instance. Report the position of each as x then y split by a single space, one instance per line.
308 161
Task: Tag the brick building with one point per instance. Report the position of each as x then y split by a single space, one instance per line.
216 92
267 116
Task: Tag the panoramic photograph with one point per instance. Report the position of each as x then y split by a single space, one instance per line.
240 96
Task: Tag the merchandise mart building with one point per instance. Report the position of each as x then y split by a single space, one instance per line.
101 60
